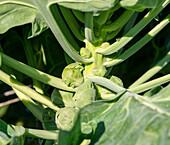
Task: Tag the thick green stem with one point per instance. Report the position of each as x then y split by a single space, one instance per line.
134 31
161 64
98 58
72 22
133 49
45 134
26 90
150 84
34 73
89 33
121 21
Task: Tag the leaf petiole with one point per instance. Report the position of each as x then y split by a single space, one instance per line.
26 90
161 64
121 21
150 84
72 22
134 31
45 134
89 33
138 45
34 73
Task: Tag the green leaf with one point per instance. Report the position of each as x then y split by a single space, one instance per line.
84 98
19 136
62 98
5 127
19 131
19 12
133 119
85 86
3 110
106 93
138 5
162 98
85 94
106 83
4 139
86 5
14 135
116 80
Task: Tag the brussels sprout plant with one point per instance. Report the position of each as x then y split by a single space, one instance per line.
91 81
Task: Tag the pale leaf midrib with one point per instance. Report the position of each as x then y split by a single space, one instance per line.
19 3
150 105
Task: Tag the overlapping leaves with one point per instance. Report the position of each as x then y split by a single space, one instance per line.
101 5
19 12
132 120
86 5
138 5
10 135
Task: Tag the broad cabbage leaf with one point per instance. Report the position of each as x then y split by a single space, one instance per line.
19 12
86 5
133 120
138 5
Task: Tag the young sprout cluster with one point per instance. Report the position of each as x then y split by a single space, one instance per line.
85 79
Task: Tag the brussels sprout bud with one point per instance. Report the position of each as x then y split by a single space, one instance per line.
84 52
65 118
84 98
99 71
85 94
73 75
